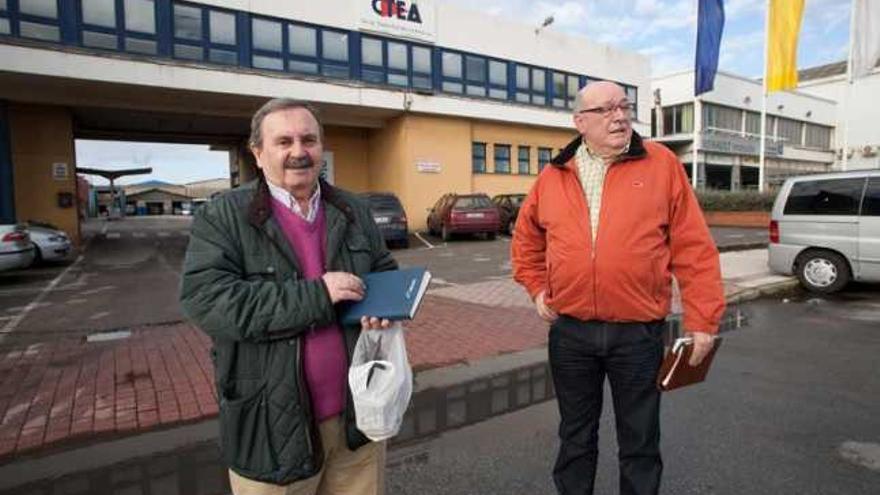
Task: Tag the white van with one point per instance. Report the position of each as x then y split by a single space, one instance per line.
826 229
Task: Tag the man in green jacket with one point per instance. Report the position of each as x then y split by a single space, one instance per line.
266 265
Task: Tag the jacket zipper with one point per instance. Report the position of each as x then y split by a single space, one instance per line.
596 243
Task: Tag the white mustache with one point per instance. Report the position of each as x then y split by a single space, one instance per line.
299 163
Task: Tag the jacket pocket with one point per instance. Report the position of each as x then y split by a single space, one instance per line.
359 251
245 432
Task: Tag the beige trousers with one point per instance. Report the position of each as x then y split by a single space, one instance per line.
361 472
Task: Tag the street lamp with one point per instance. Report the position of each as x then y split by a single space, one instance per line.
547 21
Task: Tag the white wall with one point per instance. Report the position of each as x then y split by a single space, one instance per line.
732 91
858 114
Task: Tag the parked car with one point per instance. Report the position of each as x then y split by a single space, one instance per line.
16 250
463 214
826 229
508 207
50 243
390 217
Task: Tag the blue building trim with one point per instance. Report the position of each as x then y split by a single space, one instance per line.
161 43
7 186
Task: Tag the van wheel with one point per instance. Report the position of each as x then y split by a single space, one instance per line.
490 236
38 256
823 272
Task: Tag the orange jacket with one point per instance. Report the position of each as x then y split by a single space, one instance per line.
650 228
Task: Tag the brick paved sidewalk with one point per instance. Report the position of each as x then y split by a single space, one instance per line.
72 392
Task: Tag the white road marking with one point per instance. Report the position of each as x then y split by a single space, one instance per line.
480 259
98 316
735 236
861 453
13 323
77 301
97 290
104 228
163 234
425 242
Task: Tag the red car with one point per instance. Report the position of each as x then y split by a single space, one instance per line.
464 214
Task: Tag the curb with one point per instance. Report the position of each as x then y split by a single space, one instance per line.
753 293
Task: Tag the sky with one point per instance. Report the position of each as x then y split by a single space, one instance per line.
663 30
174 163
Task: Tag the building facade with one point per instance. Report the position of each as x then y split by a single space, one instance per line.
857 112
418 98
800 130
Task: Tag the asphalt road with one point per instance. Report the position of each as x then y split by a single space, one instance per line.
129 271
127 275
791 407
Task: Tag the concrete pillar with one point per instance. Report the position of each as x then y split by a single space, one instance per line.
242 165
735 178
44 165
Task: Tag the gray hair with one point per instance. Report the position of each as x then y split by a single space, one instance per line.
277 105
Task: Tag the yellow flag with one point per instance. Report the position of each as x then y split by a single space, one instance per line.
782 35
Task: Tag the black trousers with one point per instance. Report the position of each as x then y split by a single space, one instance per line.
582 353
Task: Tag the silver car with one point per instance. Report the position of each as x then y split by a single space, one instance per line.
825 229
16 250
50 243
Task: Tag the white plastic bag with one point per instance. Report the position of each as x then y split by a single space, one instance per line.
380 380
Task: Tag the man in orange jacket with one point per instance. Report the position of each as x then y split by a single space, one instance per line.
596 244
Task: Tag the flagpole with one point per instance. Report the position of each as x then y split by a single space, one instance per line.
695 168
847 89
762 153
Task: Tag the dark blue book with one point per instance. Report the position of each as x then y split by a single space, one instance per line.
393 295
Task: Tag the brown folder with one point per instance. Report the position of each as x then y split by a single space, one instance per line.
675 372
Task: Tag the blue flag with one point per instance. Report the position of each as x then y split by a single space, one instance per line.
710 25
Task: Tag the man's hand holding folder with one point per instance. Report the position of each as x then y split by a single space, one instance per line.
703 343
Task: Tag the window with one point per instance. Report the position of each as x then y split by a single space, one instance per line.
395 69
790 130
718 117
818 136
452 81
209 34
753 123
574 85
38 19
523 159
544 157
678 119
497 80
136 34
5 28
530 85
502 158
475 75
558 90
421 61
302 49
478 157
267 43
871 205
825 197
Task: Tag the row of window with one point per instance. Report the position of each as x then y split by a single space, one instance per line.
190 31
502 158
679 119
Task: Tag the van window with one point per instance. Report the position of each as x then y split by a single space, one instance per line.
825 197
871 206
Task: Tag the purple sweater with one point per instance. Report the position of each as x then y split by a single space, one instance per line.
324 360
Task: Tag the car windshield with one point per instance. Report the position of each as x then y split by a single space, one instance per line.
383 202
472 203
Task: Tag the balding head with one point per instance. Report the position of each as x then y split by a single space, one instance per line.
602 115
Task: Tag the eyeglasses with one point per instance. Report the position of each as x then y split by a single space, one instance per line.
624 106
